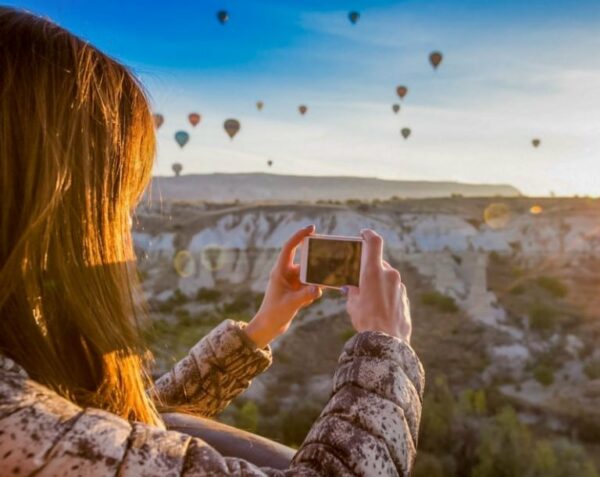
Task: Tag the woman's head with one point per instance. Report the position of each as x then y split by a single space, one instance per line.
76 151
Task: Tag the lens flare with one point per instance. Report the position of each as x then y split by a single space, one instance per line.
213 257
497 215
536 209
184 264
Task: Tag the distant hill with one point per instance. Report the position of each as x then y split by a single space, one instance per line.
271 187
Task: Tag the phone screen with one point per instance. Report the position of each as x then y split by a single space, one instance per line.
333 262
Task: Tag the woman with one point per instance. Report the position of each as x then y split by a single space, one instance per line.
76 153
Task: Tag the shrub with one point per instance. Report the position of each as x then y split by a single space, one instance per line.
208 295
592 369
246 417
428 465
178 297
347 334
517 290
242 302
544 375
441 302
296 423
553 286
541 317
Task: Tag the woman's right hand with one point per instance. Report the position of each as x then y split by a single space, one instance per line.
381 302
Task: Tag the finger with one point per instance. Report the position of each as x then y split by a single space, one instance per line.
306 295
349 291
286 257
386 265
373 247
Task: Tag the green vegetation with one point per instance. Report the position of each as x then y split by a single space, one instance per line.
246 417
176 299
443 303
517 289
542 317
347 334
553 286
592 368
544 375
464 436
208 295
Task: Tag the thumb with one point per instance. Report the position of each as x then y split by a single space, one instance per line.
350 291
307 295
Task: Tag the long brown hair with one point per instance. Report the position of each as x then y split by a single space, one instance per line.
76 151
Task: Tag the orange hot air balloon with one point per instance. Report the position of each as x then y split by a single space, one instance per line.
401 90
232 126
405 132
159 119
536 142
395 108
302 109
259 105
194 119
435 58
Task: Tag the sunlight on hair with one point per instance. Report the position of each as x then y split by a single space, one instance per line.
184 264
497 215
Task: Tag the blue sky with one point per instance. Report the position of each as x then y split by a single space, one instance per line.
512 70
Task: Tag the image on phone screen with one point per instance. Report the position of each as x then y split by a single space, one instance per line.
333 262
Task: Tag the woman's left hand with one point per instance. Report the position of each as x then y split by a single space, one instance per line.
285 295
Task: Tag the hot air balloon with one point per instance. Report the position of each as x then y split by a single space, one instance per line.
182 138
395 108
435 58
353 16
223 16
536 142
177 168
259 105
401 90
194 118
269 162
302 109
405 132
159 119
232 126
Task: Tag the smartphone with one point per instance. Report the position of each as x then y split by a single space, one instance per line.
331 261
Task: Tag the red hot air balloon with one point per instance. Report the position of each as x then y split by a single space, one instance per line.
159 119
401 90
302 109
232 126
194 119
405 132
435 58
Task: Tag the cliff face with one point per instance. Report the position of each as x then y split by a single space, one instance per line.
487 298
239 244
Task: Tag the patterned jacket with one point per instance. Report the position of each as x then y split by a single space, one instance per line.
369 426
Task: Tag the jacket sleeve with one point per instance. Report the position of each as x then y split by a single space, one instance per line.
369 427
216 370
